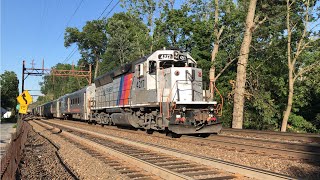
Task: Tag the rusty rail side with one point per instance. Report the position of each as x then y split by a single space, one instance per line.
10 160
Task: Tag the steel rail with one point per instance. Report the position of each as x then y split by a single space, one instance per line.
284 145
159 171
294 151
214 163
292 154
272 134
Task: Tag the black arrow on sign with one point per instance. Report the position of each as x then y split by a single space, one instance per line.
24 98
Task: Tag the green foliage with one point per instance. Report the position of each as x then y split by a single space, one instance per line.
299 124
54 87
128 39
9 89
91 41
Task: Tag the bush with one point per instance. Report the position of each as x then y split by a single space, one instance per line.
299 124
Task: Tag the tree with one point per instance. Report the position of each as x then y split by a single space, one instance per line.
237 121
9 89
92 41
297 69
174 28
54 87
128 39
146 9
217 33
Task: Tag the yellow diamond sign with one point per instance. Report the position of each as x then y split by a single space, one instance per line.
23 109
24 99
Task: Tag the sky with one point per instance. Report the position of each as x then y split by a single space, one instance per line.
34 30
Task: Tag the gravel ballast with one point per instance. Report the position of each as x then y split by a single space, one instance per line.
39 160
80 163
288 167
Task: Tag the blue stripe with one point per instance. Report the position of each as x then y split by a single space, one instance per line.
120 90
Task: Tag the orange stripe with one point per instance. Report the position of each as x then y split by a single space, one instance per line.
128 83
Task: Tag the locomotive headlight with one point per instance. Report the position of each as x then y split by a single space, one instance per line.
211 109
176 55
184 109
176 73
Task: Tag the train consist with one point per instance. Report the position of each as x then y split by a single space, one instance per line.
162 91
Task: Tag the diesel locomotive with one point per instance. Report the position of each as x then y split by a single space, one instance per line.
162 91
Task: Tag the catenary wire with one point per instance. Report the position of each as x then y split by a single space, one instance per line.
74 49
75 11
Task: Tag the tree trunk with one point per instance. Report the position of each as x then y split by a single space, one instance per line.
97 68
286 114
212 73
238 107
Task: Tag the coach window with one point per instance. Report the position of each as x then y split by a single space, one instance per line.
152 67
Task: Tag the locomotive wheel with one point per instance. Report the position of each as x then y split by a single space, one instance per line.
173 135
102 118
204 135
150 131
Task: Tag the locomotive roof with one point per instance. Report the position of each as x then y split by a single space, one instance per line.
124 69
130 67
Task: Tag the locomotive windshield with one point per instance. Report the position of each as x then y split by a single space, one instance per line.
168 64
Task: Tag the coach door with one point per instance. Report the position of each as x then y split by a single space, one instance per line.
85 109
68 104
58 108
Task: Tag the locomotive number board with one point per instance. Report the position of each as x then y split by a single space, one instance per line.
170 56
165 56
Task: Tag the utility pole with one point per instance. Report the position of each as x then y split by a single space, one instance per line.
43 71
32 72
22 86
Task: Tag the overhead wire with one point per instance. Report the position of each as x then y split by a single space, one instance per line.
105 9
75 11
74 49
112 9
70 55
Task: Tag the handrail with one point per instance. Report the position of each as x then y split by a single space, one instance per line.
219 106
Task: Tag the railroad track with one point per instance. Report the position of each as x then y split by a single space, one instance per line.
276 150
301 137
272 149
165 162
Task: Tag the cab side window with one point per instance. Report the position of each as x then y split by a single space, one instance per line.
152 67
139 70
